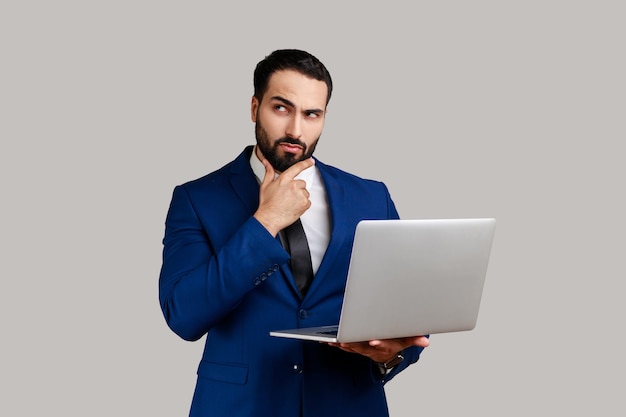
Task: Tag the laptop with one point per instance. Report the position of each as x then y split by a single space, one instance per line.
410 278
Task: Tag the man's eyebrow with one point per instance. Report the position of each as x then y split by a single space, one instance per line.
290 104
283 100
316 111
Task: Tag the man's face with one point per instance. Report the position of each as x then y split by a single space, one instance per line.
289 119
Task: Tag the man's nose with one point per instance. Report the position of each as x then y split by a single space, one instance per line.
294 128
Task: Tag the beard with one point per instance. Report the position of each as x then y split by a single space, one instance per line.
280 162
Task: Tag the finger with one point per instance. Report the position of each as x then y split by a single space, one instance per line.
421 341
298 167
301 185
375 343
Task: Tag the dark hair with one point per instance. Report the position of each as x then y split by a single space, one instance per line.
290 59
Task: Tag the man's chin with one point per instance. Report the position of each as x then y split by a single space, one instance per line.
283 163
290 159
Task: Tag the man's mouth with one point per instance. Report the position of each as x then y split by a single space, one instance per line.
290 148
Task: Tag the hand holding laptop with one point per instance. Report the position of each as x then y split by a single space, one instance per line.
382 351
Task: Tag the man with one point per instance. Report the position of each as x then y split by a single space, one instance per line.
226 273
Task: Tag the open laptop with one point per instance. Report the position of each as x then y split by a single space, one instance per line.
410 278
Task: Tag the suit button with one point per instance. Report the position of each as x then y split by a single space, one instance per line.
297 368
303 314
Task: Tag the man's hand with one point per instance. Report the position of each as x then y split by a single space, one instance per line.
382 351
282 198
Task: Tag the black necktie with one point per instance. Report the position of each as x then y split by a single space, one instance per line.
300 262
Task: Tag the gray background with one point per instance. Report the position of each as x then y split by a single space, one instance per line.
464 108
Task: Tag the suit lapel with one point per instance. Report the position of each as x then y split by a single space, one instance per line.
244 182
340 236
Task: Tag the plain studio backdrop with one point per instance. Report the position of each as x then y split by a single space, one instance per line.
512 110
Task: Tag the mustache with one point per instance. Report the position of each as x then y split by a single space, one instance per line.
291 141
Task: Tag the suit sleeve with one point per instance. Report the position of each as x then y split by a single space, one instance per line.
411 355
198 284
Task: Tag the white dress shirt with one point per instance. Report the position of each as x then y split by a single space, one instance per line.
316 220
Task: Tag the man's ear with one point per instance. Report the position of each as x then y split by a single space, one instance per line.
254 107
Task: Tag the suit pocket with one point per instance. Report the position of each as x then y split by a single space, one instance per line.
234 374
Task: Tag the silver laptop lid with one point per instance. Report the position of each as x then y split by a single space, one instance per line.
415 277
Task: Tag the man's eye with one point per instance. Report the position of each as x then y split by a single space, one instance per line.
313 115
280 108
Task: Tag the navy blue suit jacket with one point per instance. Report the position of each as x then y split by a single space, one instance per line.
226 277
